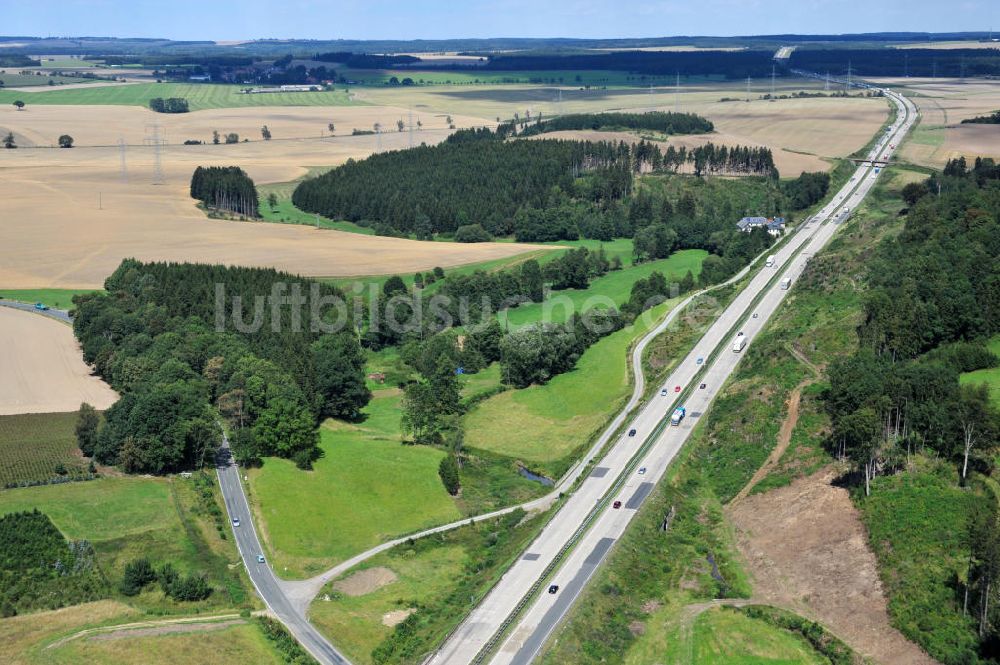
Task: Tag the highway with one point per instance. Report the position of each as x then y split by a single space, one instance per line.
264 580
516 617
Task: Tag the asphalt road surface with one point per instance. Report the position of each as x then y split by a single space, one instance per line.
517 616
57 314
264 580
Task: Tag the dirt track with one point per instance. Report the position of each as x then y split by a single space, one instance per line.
806 549
41 370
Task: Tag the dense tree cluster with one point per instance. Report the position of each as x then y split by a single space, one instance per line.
432 189
139 573
40 569
934 297
226 188
665 122
538 190
162 336
536 353
169 105
806 190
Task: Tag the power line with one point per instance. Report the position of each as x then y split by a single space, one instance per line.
121 157
155 139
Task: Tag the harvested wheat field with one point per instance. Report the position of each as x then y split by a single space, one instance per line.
806 549
818 127
71 216
943 104
42 368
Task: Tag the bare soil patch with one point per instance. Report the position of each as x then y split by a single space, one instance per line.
807 550
366 581
390 619
41 369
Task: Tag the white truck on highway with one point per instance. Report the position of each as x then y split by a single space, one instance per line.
678 416
786 283
769 261
739 343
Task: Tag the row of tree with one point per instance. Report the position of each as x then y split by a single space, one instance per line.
175 341
400 314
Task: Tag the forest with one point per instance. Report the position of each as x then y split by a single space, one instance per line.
933 300
39 569
660 121
161 336
536 190
729 64
225 188
899 62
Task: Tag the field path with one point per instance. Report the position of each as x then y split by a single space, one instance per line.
148 628
784 438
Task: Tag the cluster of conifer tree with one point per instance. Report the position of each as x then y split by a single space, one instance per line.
40 569
506 186
427 190
166 338
225 188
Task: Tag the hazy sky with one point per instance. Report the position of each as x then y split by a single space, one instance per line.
402 19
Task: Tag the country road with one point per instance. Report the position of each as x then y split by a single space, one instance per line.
514 620
263 578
